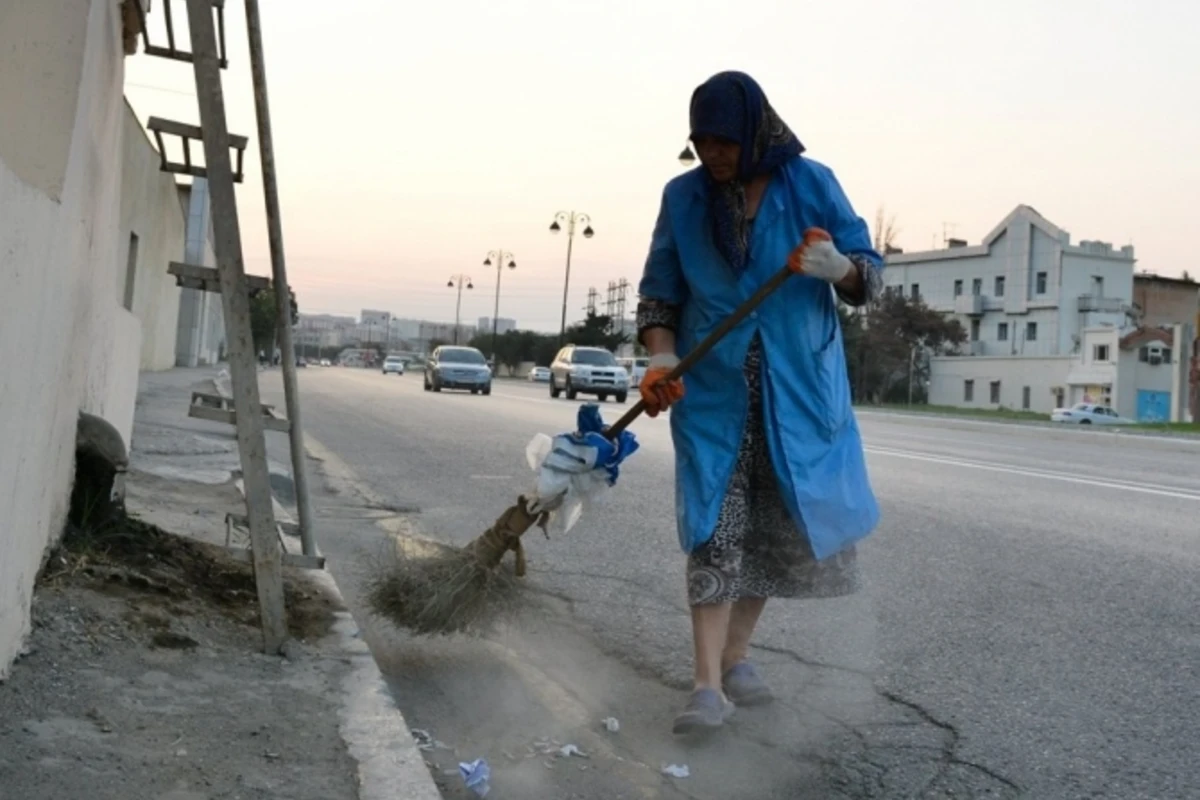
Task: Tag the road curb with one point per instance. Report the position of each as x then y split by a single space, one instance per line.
390 766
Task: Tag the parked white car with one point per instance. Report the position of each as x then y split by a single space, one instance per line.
539 374
393 364
1089 414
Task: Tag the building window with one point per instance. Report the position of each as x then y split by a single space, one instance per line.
916 291
977 287
968 391
1098 285
995 393
1100 352
999 286
131 270
1031 331
1025 398
1002 332
958 287
1040 287
974 330
1154 355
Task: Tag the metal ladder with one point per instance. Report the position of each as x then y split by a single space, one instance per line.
208 56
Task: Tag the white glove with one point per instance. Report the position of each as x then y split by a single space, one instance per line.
667 361
818 257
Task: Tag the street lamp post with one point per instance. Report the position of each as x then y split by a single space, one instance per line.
460 280
570 218
500 256
687 157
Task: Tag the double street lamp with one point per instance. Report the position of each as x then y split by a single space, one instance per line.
499 257
460 280
571 218
687 157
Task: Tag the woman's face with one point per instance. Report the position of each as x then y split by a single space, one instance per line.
719 157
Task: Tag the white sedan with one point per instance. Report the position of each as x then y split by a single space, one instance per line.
539 375
1089 414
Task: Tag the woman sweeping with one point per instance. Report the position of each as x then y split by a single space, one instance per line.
771 485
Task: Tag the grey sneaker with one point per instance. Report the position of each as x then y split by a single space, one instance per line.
745 687
706 710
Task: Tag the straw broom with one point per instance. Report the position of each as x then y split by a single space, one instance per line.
461 590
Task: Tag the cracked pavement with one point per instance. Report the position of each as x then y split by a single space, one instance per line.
1027 629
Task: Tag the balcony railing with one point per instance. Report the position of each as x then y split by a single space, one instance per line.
1091 303
969 304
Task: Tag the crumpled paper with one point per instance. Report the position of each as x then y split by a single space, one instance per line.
575 469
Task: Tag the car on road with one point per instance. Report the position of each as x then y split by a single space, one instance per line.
636 367
1089 414
453 367
588 370
394 364
325 362
539 374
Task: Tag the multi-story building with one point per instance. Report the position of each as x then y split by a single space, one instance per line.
1025 290
443 332
1025 296
1161 301
503 325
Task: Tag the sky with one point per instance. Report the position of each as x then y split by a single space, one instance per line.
412 138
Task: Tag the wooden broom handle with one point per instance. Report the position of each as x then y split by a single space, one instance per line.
701 350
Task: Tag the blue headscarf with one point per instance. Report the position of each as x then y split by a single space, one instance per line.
731 105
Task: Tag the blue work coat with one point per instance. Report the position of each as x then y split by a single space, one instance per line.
812 436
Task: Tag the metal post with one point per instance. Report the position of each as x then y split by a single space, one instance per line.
291 391
562 331
268 568
912 357
458 310
496 311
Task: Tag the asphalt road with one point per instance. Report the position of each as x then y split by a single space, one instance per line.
1029 627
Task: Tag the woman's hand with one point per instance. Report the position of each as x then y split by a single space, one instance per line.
657 392
818 257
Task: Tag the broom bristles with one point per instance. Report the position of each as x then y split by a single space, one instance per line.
435 589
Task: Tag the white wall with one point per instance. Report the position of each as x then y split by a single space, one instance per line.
1020 248
65 342
1041 375
200 333
151 209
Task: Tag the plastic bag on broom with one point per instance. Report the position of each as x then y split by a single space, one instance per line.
575 469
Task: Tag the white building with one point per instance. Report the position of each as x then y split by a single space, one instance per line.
1025 295
503 325
87 227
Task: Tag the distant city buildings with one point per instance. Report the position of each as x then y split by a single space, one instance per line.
503 325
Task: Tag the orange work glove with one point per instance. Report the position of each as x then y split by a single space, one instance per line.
658 393
817 256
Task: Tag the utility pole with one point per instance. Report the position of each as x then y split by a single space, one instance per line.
460 279
501 256
569 217
622 289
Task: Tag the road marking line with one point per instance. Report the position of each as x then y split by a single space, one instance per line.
1144 488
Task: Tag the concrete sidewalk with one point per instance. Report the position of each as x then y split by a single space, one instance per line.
127 695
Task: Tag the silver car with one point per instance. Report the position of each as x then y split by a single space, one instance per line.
588 370
458 368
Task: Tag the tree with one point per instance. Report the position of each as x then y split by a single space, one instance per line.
886 232
263 320
596 330
896 335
